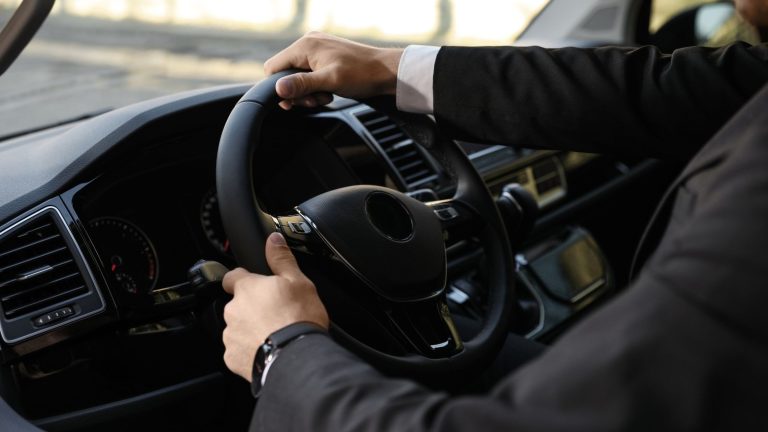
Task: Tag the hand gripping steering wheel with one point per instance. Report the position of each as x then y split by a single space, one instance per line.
390 241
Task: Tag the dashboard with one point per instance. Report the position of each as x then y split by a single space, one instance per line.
128 202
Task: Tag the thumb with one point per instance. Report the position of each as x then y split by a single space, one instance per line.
302 84
279 256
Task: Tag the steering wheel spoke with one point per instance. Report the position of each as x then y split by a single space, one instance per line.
427 326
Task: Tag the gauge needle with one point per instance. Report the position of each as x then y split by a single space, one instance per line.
114 267
226 245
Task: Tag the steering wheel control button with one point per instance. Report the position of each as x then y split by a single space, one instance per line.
441 345
389 216
51 317
300 234
299 227
446 213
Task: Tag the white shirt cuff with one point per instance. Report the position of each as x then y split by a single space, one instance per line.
414 79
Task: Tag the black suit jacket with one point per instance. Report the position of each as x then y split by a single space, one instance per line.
686 346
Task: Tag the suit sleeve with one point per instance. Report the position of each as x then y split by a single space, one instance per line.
602 100
651 361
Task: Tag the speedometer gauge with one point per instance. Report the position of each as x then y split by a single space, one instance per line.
126 253
210 219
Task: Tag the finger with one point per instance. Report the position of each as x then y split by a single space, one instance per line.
314 100
303 84
280 258
306 102
292 57
311 101
231 278
323 98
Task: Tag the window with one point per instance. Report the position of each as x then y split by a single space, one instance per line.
678 23
94 55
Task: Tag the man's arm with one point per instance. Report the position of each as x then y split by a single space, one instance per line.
650 361
602 100
608 100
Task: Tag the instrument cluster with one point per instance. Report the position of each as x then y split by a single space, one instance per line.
129 256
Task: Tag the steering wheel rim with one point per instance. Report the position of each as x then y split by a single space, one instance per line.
247 225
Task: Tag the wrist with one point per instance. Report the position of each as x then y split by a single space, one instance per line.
389 61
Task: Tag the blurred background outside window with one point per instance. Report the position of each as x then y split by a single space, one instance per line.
94 55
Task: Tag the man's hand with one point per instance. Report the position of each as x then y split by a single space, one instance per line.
337 65
265 304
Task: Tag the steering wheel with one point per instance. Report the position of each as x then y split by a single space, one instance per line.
392 242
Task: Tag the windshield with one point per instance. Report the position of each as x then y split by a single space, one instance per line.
94 55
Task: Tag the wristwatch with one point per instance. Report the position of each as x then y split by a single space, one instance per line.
268 351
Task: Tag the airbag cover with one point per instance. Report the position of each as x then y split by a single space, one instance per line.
390 240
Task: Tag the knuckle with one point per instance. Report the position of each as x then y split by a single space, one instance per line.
333 77
300 85
229 360
305 281
228 312
304 284
239 284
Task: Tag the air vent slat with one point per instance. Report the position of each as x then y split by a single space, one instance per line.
383 129
543 168
32 259
51 267
413 164
48 301
406 144
425 181
35 229
388 139
417 175
37 268
376 120
16 295
402 152
29 245
404 157
547 177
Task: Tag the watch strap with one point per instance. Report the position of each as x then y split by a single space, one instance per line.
273 344
290 332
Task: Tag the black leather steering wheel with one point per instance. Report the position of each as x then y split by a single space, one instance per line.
392 242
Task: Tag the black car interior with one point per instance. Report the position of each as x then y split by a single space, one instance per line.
107 324
146 211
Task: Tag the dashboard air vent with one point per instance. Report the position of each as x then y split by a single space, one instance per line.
45 281
414 169
547 175
544 179
37 268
